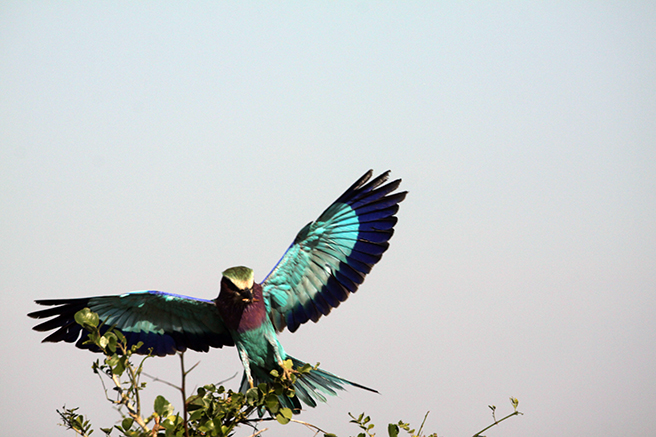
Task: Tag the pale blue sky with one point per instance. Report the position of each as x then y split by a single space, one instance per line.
152 145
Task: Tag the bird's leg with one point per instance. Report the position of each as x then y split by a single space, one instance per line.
286 373
278 353
243 356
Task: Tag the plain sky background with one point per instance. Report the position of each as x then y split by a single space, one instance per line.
151 145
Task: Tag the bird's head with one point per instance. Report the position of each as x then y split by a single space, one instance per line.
237 282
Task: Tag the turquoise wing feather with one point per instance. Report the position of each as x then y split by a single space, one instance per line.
165 323
330 257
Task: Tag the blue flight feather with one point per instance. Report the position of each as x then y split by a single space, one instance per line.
330 257
165 322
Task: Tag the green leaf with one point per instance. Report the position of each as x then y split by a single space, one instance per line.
209 425
278 389
163 407
120 336
196 415
127 423
282 419
287 412
111 342
103 342
119 368
393 430
272 403
78 422
284 416
85 317
252 395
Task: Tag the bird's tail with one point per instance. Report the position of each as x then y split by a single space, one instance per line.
311 387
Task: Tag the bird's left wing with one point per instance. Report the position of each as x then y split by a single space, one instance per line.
330 257
165 323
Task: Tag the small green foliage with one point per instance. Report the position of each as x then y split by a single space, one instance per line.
406 427
514 402
272 403
252 394
163 407
212 411
363 422
87 319
284 416
217 412
393 429
127 423
76 422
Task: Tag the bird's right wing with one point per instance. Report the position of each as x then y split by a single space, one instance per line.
166 323
331 256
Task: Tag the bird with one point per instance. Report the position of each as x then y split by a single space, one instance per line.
326 262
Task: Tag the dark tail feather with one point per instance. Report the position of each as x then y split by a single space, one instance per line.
314 386
310 387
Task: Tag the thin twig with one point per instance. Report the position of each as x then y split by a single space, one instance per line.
423 422
227 379
309 425
515 413
156 379
259 432
183 392
192 368
102 381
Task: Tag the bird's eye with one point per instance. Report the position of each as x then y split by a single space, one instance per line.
231 286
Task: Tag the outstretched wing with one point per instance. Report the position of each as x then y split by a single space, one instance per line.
165 322
330 257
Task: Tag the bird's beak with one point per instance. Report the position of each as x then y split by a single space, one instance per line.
246 295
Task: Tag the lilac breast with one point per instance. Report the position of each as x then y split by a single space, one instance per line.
242 318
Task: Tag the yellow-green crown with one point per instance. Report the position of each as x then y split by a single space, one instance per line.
241 276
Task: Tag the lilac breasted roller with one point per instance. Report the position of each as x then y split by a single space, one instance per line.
328 260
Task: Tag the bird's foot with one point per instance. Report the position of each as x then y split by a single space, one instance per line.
287 373
287 370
